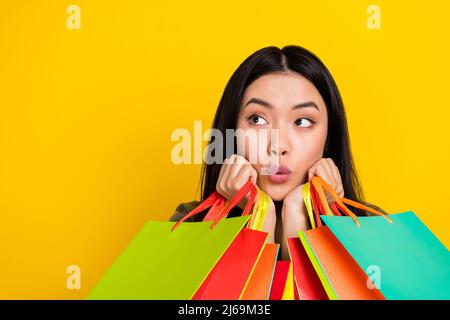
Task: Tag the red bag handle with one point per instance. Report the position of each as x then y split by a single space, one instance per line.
205 204
215 210
335 209
248 187
217 202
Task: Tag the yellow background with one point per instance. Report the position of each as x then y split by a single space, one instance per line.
86 115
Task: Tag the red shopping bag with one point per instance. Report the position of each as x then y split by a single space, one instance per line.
307 281
229 277
279 280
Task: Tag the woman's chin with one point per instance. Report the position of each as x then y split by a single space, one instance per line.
277 198
276 194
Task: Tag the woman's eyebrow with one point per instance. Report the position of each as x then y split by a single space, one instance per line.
268 105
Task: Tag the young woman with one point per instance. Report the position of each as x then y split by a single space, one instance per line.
290 90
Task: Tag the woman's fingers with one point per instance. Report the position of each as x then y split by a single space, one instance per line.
320 168
337 176
241 171
312 171
328 171
234 174
238 163
328 167
247 172
333 170
323 171
221 185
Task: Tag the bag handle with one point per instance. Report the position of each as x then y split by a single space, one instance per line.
219 206
248 187
215 210
256 208
258 214
316 206
211 200
260 210
320 184
313 206
321 196
364 207
335 209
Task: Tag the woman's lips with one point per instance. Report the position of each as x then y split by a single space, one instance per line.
281 175
278 178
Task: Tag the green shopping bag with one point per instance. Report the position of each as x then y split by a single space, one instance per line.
412 262
165 262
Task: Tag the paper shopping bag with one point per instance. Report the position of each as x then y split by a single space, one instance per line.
408 259
308 284
340 274
260 282
228 278
288 292
279 280
160 264
169 260
337 274
402 257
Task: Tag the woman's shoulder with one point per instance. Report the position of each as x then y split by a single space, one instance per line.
183 209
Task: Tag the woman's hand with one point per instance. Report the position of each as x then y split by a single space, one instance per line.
294 215
327 170
234 173
270 222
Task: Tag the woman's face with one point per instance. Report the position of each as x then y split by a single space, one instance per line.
290 103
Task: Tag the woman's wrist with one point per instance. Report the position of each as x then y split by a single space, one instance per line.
270 222
294 219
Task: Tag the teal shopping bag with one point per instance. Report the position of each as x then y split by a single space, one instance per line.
410 261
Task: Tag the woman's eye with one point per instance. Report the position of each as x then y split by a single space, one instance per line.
304 123
257 120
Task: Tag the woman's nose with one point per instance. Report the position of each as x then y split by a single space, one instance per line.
279 145
275 152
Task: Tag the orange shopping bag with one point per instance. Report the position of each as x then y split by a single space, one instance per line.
341 276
